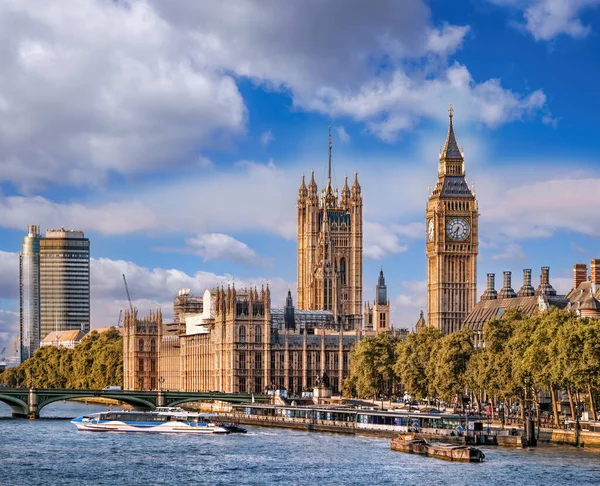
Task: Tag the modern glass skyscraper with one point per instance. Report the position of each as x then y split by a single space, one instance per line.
55 285
29 293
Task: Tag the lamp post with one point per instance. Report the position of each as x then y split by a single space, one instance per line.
140 382
161 381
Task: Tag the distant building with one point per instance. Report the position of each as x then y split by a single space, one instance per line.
452 241
238 344
65 339
330 249
584 298
185 303
377 317
54 285
528 300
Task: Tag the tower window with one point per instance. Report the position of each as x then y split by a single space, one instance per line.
343 271
141 346
258 335
242 334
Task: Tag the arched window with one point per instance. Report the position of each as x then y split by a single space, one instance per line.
343 271
141 345
258 335
153 346
242 334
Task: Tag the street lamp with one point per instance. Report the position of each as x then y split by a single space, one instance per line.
141 382
161 381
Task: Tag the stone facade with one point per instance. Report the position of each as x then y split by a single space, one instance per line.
330 249
239 344
141 341
452 242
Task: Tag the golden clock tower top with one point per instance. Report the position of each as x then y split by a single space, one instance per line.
452 241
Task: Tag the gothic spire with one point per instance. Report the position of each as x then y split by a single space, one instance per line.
451 150
329 197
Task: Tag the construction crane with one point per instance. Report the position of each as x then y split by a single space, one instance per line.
2 352
128 296
120 316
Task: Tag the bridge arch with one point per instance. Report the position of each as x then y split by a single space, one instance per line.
20 408
136 402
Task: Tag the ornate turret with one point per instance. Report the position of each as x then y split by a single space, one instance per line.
381 290
590 307
356 186
302 192
288 314
345 194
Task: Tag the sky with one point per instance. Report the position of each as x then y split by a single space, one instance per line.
175 134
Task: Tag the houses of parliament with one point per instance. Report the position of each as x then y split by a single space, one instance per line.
233 340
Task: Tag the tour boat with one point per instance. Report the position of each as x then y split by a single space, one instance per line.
161 420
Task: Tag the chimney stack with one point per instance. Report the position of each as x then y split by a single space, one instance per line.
579 274
507 291
490 292
545 287
527 289
595 271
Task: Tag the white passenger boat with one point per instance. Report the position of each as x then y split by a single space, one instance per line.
161 420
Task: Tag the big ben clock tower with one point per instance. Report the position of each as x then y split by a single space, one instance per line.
452 242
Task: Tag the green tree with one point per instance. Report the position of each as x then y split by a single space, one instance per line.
413 361
449 364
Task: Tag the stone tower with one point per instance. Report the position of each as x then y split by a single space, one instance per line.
330 249
381 307
452 242
141 342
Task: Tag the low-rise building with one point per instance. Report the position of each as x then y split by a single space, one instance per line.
66 339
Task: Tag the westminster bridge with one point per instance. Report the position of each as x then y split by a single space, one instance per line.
27 402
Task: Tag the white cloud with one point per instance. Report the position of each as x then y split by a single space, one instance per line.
342 134
107 218
381 240
509 251
91 87
396 104
134 86
407 305
547 19
218 246
266 138
150 288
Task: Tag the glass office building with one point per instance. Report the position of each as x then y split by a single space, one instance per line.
29 293
55 285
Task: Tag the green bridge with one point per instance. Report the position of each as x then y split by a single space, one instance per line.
27 402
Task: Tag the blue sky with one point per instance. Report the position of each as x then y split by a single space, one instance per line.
175 135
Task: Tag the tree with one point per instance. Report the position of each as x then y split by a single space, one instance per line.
371 367
449 364
413 361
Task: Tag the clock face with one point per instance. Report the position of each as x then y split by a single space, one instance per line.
457 229
430 230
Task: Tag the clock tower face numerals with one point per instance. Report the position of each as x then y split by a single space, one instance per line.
430 230
457 229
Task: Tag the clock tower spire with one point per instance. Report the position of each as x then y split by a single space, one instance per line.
452 241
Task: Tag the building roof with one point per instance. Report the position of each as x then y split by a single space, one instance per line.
63 336
590 303
487 310
578 296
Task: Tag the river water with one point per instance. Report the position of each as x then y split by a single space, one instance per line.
51 451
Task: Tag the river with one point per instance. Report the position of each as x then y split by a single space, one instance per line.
51 451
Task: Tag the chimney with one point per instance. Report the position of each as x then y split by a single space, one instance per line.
507 292
579 274
545 287
490 292
595 270
527 289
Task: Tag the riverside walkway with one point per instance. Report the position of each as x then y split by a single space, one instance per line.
27 402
